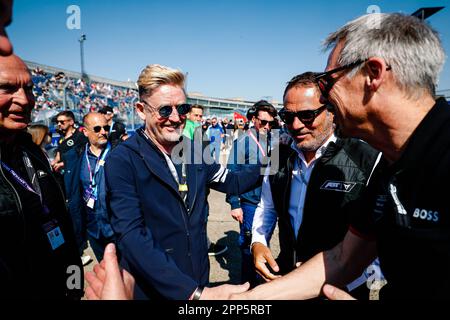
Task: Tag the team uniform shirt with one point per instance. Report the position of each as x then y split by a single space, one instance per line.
75 140
408 213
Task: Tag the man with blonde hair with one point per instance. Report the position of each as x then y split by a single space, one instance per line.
157 197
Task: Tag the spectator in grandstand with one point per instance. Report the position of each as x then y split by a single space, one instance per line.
157 199
118 131
249 148
85 182
37 244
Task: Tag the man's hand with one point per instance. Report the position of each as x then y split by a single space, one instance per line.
57 166
108 282
261 256
333 293
238 215
223 292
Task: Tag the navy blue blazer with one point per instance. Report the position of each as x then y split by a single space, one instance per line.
161 240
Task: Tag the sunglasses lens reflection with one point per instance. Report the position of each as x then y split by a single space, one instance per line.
182 109
97 129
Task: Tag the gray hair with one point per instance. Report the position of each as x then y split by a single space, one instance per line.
411 47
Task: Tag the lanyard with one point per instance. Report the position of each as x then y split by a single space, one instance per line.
182 186
257 142
100 162
182 183
32 175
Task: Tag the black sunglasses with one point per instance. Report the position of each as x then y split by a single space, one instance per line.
265 122
326 82
305 116
165 111
97 129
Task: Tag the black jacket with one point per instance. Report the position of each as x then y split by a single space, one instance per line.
26 257
336 182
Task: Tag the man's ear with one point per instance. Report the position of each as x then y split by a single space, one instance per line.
85 132
375 72
140 110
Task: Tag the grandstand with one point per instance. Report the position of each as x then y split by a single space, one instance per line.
444 93
57 89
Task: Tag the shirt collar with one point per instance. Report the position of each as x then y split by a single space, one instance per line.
319 152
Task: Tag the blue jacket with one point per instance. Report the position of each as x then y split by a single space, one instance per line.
74 198
162 240
97 219
96 223
245 151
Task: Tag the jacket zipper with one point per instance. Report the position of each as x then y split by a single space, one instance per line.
18 202
294 240
50 173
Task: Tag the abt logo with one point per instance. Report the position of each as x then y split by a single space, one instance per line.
428 215
341 186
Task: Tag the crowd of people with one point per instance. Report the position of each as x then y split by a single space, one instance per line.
351 169
57 91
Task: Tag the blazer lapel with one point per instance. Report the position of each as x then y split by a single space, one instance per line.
156 164
192 183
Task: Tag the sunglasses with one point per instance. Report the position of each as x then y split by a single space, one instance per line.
97 129
305 116
62 121
326 82
265 122
165 111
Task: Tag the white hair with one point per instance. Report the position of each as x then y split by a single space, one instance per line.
411 47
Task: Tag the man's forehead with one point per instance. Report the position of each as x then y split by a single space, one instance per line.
265 115
302 92
96 120
302 98
11 70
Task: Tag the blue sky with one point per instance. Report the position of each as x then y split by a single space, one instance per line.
230 48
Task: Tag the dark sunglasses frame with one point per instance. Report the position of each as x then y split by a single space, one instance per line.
305 116
62 121
165 111
326 82
97 129
264 122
